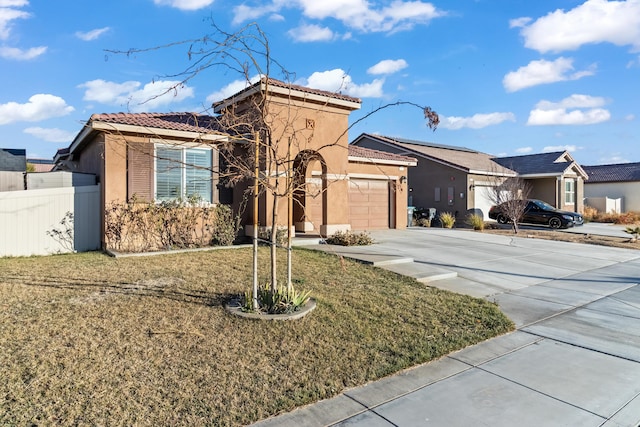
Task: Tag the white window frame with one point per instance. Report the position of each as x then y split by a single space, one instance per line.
569 191
184 167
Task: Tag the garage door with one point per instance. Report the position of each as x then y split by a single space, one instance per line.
368 204
482 201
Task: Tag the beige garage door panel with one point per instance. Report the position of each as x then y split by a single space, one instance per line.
368 204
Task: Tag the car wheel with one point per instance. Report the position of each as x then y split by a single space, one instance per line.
502 219
555 222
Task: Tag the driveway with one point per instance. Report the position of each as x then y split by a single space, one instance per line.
573 360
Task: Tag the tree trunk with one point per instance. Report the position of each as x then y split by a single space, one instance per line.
274 245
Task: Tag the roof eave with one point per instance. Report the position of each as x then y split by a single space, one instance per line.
124 128
382 161
263 86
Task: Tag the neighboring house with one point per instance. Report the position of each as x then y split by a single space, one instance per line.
41 165
450 179
163 156
460 180
554 177
13 160
618 182
13 164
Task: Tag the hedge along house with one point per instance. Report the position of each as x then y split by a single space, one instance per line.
164 156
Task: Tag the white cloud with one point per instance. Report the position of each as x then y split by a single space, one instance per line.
184 4
477 121
524 150
243 13
553 148
519 22
543 72
50 134
340 82
630 117
594 21
634 63
13 3
573 110
20 54
388 66
230 89
311 33
39 107
614 158
357 14
7 14
136 98
91 35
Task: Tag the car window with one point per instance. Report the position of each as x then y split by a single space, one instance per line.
542 205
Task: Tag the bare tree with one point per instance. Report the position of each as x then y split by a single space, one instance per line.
510 196
270 144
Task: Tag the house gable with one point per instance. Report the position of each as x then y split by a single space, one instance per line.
543 165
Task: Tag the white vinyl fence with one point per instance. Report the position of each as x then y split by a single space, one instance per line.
49 221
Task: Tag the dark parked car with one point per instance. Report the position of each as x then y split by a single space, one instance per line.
539 212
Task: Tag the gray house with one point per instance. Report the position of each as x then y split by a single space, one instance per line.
613 187
460 180
554 177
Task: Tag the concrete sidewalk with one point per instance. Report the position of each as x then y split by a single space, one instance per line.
574 359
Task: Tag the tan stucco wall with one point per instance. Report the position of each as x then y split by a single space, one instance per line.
320 129
545 189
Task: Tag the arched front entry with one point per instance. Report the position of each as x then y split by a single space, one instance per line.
310 196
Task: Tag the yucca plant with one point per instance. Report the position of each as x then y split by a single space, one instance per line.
282 301
634 231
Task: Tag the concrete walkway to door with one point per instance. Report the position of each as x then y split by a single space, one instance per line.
573 360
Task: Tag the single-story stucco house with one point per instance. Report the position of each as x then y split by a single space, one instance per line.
161 156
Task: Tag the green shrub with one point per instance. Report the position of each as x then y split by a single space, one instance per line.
348 238
280 301
447 219
225 226
476 222
281 236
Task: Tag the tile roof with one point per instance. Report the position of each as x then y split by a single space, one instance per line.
367 153
621 172
189 122
461 157
251 89
336 95
535 163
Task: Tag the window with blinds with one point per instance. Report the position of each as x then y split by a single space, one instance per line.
183 172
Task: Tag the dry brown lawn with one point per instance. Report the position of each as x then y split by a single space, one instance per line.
86 339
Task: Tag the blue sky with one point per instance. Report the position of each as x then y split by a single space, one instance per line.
507 77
